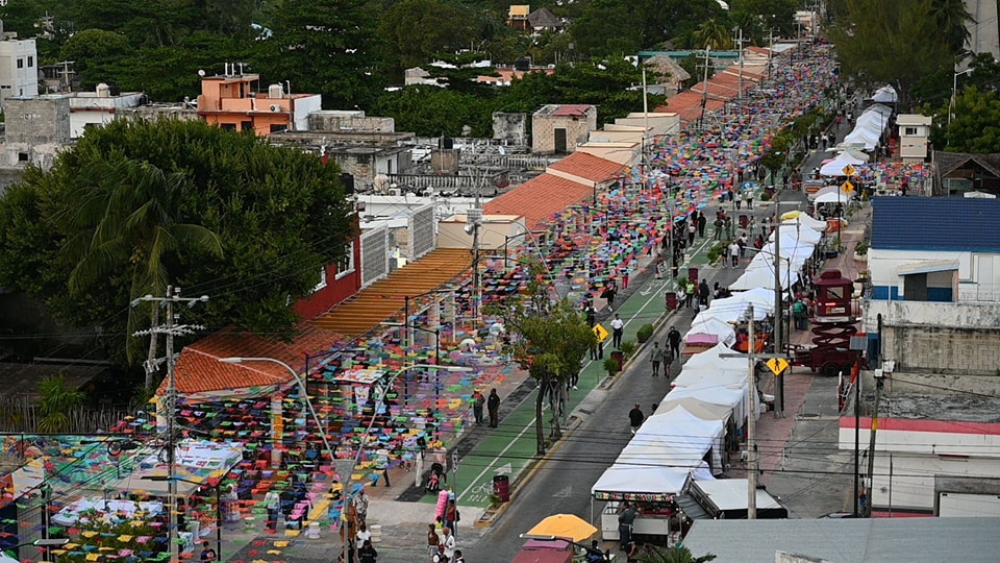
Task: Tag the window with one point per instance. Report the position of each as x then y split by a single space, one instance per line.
20 63
345 265
22 157
228 126
275 128
910 131
322 280
246 126
31 62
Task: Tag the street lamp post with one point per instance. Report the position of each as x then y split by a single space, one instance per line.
379 398
218 505
954 94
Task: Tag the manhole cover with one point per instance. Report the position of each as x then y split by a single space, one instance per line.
584 411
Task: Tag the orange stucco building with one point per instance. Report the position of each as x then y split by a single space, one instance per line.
234 102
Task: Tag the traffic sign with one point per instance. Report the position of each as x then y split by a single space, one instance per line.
601 332
777 365
849 170
848 187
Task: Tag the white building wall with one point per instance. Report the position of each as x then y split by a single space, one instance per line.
978 273
912 479
87 108
18 68
302 107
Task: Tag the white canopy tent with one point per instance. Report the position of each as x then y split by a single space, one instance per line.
807 221
760 274
634 482
712 358
886 95
862 137
700 378
708 402
709 324
836 166
798 232
682 439
761 299
832 197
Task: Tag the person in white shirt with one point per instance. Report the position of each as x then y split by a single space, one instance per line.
363 534
734 253
617 330
449 544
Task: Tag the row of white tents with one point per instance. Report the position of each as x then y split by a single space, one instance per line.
685 437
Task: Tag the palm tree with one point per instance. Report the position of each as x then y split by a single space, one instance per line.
133 216
673 555
713 35
951 17
57 401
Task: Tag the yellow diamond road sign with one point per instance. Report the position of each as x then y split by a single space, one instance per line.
601 332
777 365
849 170
847 187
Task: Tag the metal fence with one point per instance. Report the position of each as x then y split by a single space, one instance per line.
374 255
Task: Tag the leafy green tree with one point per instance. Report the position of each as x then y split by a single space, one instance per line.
57 400
96 55
975 125
326 47
279 214
553 338
597 32
762 19
433 111
713 34
951 17
413 31
891 42
673 555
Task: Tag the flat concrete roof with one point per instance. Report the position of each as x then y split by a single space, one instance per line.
848 540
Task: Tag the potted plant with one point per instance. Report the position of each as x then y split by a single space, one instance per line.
611 366
628 348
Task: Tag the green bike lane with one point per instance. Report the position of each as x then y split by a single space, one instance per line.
510 449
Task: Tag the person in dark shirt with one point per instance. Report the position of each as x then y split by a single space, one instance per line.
635 418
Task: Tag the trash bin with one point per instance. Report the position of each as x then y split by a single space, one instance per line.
744 221
619 357
671 300
693 275
501 487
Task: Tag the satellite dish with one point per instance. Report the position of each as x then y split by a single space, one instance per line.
201 73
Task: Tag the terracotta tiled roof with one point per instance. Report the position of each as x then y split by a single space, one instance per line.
759 50
198 369
386 298
590 167
539 198
572 109
687 105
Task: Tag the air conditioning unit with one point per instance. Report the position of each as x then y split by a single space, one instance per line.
394 191
275 107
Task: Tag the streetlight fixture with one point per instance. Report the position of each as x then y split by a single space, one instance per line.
218 504
379 398
954 94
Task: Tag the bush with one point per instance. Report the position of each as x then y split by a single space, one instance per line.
610 366
715 252
645 333
861 249
628 348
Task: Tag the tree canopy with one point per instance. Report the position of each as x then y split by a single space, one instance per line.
135 205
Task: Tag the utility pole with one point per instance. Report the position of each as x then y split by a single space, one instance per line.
879 383
704 93
739 92
856 377
779 395
171 329
752 423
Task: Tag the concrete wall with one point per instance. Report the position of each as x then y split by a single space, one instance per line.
935 383
543 139
511 128
347 121
913 477
953 338
39 120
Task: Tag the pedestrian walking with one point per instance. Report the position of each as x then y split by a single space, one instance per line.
493 406
433 541
610 290
691 232
448 541
750 199
635 418
617 330
738 200
367 553
656 357
703 293
477 406
734 253
458 557
702 221
674 338
718 228
451 519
